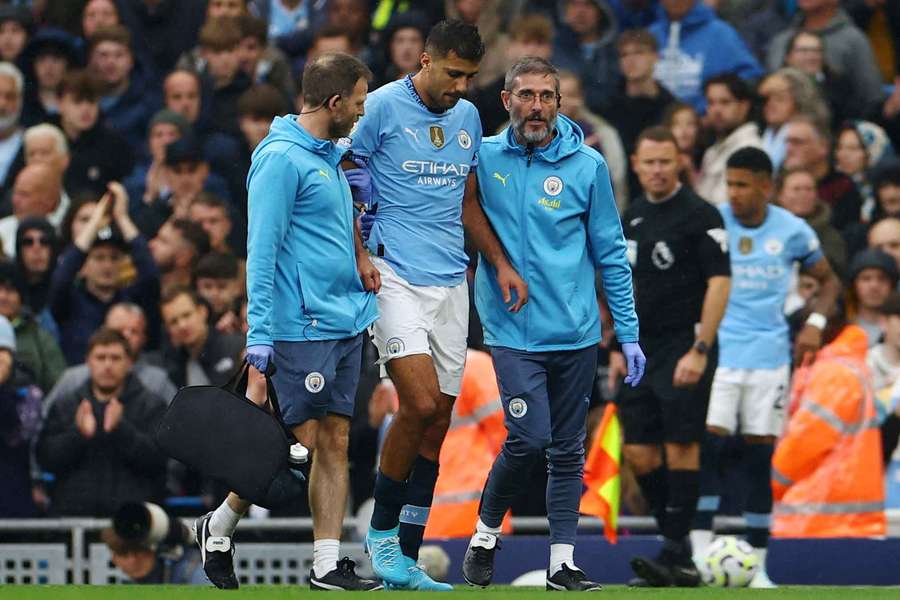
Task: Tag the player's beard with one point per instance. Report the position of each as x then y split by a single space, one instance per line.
533 137
339 128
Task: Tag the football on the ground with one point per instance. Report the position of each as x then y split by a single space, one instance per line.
728 562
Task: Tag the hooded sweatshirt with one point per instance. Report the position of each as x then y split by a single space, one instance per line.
302 282
696 48
554 212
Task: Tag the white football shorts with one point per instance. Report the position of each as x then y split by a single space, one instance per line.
752 401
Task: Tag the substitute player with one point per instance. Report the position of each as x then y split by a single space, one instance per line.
750 387
550 200
419 142
679 252
309 300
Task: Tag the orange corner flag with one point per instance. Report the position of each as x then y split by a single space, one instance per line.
601 473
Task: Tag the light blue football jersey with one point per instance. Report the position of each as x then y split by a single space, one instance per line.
419 161
754 331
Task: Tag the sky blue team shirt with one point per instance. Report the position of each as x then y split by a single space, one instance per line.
419 162
754 331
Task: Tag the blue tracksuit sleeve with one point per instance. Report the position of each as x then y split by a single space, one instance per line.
608 250
272 187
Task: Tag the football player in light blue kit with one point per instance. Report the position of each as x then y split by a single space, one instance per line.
419 142
750 387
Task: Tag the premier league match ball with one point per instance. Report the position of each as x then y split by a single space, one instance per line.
728 562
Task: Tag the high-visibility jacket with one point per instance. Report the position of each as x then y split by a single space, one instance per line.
827 475
473 441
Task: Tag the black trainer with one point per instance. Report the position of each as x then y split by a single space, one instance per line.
344 578
217 553
571 580
668 569
478 564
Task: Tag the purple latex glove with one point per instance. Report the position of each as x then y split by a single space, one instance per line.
634 361
259 356
360 183
366 221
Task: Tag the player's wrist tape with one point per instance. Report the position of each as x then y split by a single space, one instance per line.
817 320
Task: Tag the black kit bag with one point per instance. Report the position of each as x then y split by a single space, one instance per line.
225 436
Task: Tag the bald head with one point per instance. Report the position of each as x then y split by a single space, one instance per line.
885 235
181 90
36 191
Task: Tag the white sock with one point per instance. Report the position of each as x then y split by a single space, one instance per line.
223 521
480 527
325 556
561 554
700 541
761 554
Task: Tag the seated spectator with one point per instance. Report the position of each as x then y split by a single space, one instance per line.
48 57
98 14
98 441
37 350
46 144
490 17
37 193
402 46
37 248
887 192
199 355
129 98
785 93
79 303
883 359
873 276
806 53
185 174
176 249
218 282
289 17
353 17
885 235
809 147
147 180
845 48
860 148
728 103
598 133
214 216
261 62
585 44
796 191
20 423
697 45
330 38
98 154
128 319
684 123
15 23
12 159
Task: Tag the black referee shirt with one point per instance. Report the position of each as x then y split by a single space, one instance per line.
674 247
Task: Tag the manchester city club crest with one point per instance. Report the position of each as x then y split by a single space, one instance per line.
553 185
436 133
464 139
517 408
745 245
315 381
395 345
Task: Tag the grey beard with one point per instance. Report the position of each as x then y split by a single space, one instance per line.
533 137
10 121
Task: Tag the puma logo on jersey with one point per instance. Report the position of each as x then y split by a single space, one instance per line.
414 134
501 178
325 174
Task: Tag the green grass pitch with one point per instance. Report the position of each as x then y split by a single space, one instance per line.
468 593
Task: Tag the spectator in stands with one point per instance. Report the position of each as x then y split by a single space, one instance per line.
796 191
883 359
885 235
860 148
220 42
873 276
585 44
806 52
37 247
200 355
214 216
887 191
176 249
261 62
330 38
46 144
402 46
290 17
98 14
12 86
257 107
148 179
20 423
785 93
491 18
36 350
598 133
129 97
684 123
15 23
696 45
353 17
98 441
49 55
79 304
129 320
37 193
98 154
809 147
729 101
218 282
845 48
640 101
163 30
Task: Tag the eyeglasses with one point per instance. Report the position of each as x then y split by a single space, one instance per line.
528 96
38 241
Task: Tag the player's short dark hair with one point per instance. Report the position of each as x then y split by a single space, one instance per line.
106 336
81 86
332 74
217 265
657 133
263 102
737 87
194 235
175 292
530 65
455 36
751 159
117 34
220 34
638 37
252 26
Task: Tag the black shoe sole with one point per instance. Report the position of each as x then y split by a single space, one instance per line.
316 586
653 574
473 584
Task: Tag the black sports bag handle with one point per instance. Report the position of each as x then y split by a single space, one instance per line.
238 385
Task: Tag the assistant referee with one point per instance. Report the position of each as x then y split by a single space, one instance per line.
678 251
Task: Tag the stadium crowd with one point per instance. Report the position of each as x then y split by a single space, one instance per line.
126 130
